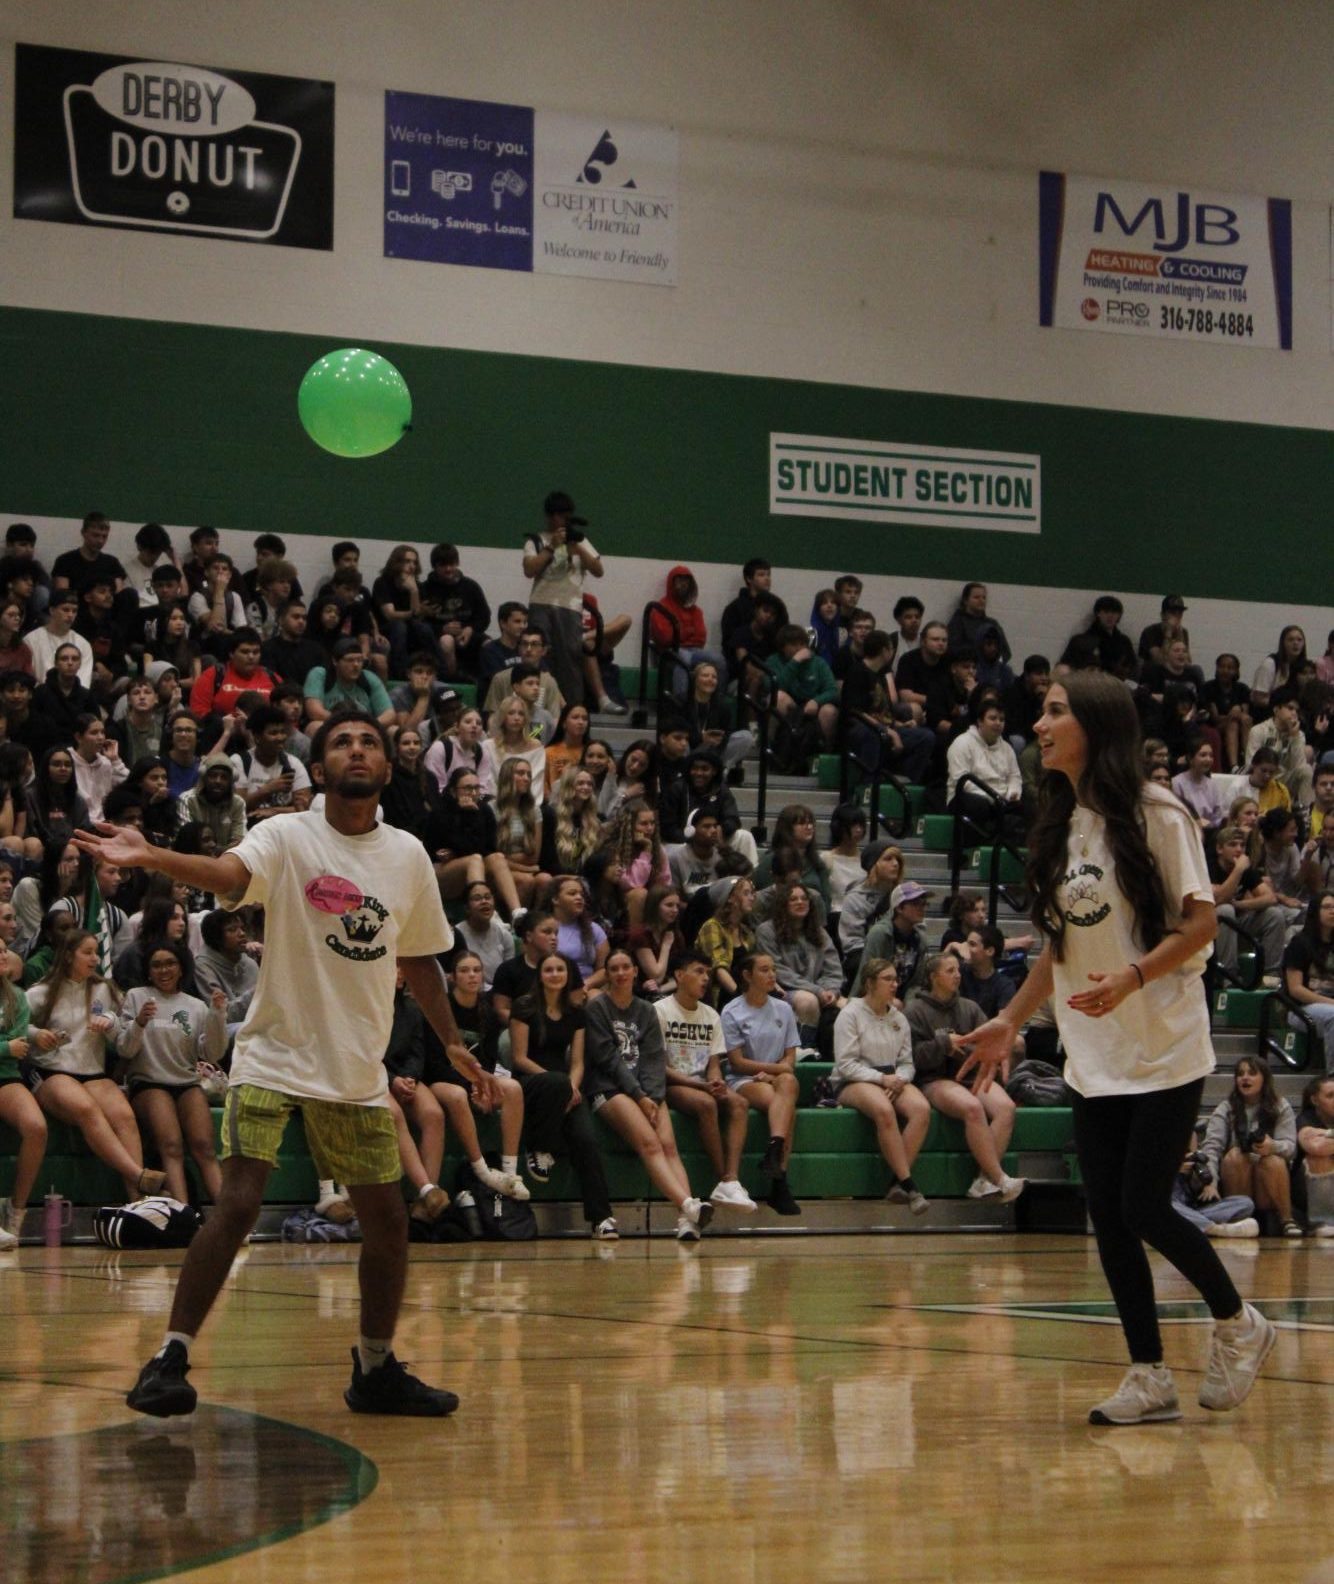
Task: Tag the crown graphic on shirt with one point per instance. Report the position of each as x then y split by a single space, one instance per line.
360 926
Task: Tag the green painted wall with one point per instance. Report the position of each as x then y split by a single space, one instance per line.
197 423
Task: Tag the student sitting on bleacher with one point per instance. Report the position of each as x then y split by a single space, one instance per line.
868 901
707 716
794 829
1243 895
73 1015
1315 1148
728 935
934 1015
1308 970
983 753
760 1033
692 1037
1196 787
1251 1141
873 1073
806 960
899 936
18 1109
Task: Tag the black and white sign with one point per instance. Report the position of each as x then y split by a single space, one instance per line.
165 146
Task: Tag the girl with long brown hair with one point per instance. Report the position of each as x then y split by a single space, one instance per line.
1121 894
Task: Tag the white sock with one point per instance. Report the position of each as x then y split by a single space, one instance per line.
480 1169
328 1188
183 1337
425 1189
510 1164
373 1353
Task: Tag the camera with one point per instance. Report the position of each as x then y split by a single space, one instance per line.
574 536
1200 1175
1248 1141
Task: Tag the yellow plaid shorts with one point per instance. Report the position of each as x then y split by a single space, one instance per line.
353 1144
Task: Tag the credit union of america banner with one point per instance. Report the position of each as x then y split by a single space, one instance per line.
1162 261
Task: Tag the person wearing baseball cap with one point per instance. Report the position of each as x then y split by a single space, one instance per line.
898 935
1153 641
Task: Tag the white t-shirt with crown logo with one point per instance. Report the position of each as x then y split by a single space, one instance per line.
339 912
1158 1038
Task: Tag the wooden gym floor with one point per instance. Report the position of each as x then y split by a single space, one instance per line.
747 1410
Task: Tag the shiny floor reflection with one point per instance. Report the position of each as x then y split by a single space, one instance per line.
146 1499
747 1410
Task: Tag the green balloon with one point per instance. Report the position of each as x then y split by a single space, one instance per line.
354 403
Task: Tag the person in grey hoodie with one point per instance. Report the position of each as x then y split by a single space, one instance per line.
935 1014
806 960
223 963
625 1084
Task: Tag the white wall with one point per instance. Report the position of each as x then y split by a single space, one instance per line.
858 181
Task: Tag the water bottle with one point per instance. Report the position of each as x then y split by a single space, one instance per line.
57 1219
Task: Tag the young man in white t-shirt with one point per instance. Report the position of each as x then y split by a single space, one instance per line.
692 1035
347 903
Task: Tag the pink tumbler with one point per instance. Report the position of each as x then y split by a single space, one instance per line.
57 1219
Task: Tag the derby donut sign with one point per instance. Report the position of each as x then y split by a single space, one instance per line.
164 146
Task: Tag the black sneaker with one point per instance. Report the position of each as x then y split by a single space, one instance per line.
772 1163
389 1389
538 1164
781 1200
162 1389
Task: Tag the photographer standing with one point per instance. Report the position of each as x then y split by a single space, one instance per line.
557 560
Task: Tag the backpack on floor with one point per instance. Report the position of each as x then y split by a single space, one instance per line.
155 1223
503 1220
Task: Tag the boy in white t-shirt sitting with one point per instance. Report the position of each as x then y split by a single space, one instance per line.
692 1034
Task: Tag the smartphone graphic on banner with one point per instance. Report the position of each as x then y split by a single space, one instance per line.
400 178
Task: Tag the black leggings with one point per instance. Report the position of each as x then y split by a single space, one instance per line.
549 1124
1130 1149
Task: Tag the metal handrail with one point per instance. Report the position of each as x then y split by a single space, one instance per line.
1267 1045
762 706
878 778
996 838
639 719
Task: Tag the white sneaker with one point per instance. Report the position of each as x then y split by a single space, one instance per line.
1238 1349
1010 1188
606 1231
508 1183
1324 1230
1146 1394
686 1230
982 1187
732 1196
699 1212
11 1220
7 1239
1248 1228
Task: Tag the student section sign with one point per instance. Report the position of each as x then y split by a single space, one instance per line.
160 145
498 186
930 486
1160 261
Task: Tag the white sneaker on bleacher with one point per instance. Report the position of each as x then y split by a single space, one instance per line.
982 1187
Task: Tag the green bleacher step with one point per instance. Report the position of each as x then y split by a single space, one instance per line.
984 860
1235 1008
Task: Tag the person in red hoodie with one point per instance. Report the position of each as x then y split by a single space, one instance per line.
692 633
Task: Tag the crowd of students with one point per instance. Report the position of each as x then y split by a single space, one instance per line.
624 951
